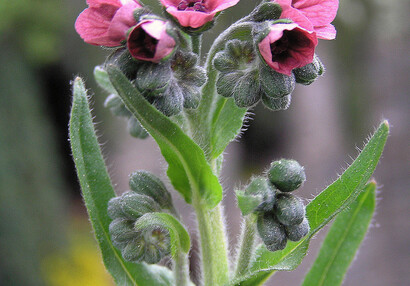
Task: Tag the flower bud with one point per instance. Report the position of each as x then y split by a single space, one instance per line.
152 79
297 232
146 183
271 232
275 84
114 103
131 206
189 76
171 101
258 196
286 175
135 128
274 104
289 209
239 75
307 74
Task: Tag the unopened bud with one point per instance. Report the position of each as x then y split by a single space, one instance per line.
271 232
135 128
289 209
131 206
146 183
308 74
297 232
286 175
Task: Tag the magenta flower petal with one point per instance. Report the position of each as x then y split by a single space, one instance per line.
288 46
320 13
94 23
149 41
122 21
196 13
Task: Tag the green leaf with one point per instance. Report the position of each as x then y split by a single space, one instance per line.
97 191
343 240
226 124
323 208
188 169
101 77
180 240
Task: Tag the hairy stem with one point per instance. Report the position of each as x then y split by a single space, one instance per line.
181 269
215 266
197 44
246 245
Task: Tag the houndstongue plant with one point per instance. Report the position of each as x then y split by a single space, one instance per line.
155 80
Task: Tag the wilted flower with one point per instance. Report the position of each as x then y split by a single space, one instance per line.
196 13
105 22
149 41
312 15
288 46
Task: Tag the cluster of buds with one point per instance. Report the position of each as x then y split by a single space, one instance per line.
148 194
281 215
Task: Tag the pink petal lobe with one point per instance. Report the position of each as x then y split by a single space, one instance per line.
98 3
219 5
296 16
92 26
122 21
165 46
327 32
192 19
319 12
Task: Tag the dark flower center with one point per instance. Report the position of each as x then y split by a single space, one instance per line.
192 5
290 41
142 44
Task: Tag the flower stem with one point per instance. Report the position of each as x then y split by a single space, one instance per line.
213 244
196 44
181 269
246 245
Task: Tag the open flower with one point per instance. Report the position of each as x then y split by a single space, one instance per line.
149 41
312 15
196 13
288 46
105 22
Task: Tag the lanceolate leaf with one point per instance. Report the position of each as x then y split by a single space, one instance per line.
180 240
188 169
323 208
226 124
97 191
343 240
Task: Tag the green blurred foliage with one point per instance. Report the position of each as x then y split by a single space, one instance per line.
31 189
35 25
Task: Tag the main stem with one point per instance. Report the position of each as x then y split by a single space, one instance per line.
215 265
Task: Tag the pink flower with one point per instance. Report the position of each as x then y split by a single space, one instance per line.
313 15
105 22
196 13
288 46
149 41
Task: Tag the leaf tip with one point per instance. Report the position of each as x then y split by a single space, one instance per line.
385 124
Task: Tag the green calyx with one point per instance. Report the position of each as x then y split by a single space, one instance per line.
259 196
309 73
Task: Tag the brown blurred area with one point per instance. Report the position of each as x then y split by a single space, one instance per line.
366 81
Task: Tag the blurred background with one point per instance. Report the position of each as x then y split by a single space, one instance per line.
45 236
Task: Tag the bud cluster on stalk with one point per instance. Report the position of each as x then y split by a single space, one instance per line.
148 194
281 215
